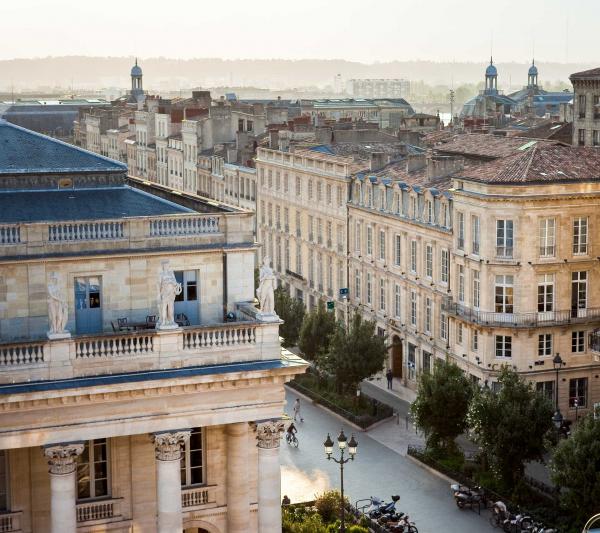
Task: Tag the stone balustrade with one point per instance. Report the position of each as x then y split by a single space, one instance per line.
194 497
110 353
98 510
10 234
10 522
85 231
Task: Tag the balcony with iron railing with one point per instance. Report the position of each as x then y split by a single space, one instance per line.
521 320
244 340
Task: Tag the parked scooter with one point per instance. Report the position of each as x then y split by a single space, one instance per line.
517 523
466 497
404 525
380 508
499 514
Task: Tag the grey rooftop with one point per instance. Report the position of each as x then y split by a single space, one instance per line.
82 204
24 151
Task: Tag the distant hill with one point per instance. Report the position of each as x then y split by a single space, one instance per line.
164 73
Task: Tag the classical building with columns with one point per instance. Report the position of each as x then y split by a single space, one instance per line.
140 390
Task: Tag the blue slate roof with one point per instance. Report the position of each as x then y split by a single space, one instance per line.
24 151
82 204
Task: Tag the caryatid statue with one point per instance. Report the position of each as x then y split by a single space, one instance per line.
167 290
266 288
58 309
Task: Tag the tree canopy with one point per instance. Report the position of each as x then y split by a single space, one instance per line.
575 467
317 328
442 403
510 425
291 311
355 354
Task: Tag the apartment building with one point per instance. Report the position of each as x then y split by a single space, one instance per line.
140 390
586 108
379 88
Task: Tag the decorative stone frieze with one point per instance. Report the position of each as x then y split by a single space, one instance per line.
268 434
167 446
62 458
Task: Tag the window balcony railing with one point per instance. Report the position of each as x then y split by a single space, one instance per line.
547 251
194 497
504 252
520 320
10 521
100 510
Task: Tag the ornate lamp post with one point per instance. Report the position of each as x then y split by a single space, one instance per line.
558 364
343 443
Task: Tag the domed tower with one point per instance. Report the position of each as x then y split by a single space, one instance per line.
532 75
491 78
137 89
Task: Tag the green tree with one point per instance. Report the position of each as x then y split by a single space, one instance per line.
355 354
510 426
291 311
575 467
317 328
441 406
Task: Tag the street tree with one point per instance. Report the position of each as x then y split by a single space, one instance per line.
291 311
575 467
317 328
510 425
355 354
440 409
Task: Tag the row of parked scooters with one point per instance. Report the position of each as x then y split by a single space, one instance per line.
386 516
475 498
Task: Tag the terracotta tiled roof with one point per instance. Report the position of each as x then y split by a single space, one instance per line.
486 146
541 164
586 74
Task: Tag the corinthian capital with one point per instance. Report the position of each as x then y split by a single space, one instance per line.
268 434
167 446
62 458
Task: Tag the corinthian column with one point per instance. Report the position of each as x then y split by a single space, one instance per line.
238 502
62 460
268 435
167 447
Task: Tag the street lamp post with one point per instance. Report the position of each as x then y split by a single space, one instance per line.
343 443
576 405
558 364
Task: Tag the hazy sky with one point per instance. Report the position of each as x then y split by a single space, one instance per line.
367 31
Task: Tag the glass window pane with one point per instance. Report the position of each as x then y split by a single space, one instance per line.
192 292
196 476
101 487
80 293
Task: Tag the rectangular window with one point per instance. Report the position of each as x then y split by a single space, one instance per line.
397 250
382 245
426 362
545 345
429 211
413 308
311 235
545 388
340 195
545 293
286 183
329 234
357 293
298 258
369 240
192 460
298 224
578 341
476 289
578 392
503 346
382 295
461 230
504 294
461 283
310 189
262 211
3 480
369 289
319 191
445 270
428 314
581 137
475 234
298 187
596 135
459 333
413 257
92 470
475 340
444 326
579 293
504 238
581 105
580 236
328 194
397 301
429 261
547 237
357 239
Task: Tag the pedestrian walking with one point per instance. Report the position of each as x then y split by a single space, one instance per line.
297 414
389 377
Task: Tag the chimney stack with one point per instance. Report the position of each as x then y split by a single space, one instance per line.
441 166
415 162
378 160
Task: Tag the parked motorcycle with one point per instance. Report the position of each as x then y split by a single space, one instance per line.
404 525
538 527
517 523
380 508
499 514
464 496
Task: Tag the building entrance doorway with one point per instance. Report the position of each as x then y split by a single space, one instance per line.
397 356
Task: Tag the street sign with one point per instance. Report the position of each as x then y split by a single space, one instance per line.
344 292
330 305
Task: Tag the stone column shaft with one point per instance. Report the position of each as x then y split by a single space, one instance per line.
62 460
238 502
269 477
168 480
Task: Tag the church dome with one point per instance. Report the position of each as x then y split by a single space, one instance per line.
135 70
491 70
533 71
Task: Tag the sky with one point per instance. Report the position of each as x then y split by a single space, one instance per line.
359 30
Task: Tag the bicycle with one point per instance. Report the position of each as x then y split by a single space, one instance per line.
291 439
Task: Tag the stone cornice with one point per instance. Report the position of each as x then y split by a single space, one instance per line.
62 458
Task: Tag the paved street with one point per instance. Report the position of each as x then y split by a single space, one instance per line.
377 471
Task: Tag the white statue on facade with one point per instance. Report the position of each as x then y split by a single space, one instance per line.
58 309
168 288
266 288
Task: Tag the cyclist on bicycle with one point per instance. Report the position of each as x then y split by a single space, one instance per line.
291 432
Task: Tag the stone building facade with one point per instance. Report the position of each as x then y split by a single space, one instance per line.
586 108
113 418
